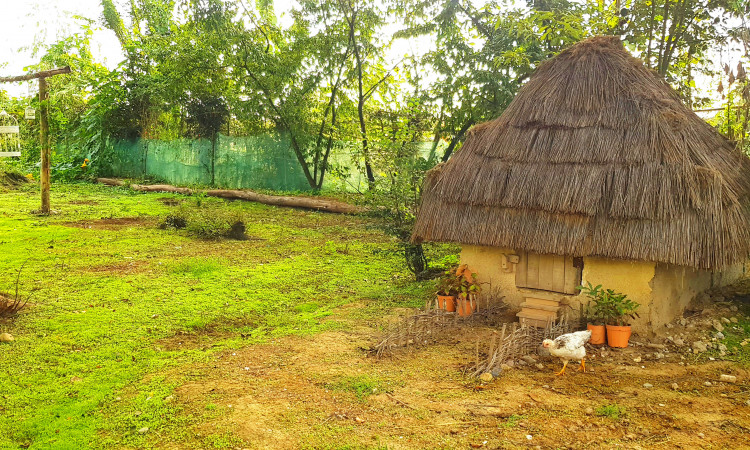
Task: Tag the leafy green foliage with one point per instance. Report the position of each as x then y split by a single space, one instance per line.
608 306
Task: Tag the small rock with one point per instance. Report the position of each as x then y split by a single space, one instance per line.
733 319
733 308
658 355
143 430
683 321
361 420
496 372
529 359
648 385
722 348
708 383
719 335
505 367
675 386
724 320
6 337
669 325
589 410
486 377
699 347
747 402
728 378
717 325
679 342
510 363
701 435
637 359
539 366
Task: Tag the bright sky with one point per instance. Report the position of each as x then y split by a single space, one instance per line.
26 22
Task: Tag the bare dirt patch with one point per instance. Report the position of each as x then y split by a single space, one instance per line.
120 268
324 390
113 224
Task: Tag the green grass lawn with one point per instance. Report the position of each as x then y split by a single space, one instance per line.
113 299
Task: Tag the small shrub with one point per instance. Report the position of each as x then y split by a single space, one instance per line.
206 222
361 386
613 411
11 304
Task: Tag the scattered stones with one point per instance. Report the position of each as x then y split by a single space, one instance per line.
539 366
683 321
637 359
728 378
589 411
719 335
529 359
6 337
486 377
648 385
658 355
143 430
699 347
510 363
701 435
679 342
505 367
722 348
717 325
724 320
733 308
675 386
708 383
733 319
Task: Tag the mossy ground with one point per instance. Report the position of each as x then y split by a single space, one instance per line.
138 337
114 295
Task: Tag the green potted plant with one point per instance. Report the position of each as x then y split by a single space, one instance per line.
593 313
617 309
447 290
466 302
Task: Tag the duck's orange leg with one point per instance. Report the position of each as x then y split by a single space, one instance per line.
563 369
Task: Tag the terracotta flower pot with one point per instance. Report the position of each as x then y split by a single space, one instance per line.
465 306
447 302
618 336
598 334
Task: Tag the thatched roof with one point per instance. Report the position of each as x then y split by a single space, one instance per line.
596 156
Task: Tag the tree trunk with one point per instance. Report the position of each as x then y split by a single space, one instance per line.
44 138
456 139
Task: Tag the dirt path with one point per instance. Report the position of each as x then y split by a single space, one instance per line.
325 392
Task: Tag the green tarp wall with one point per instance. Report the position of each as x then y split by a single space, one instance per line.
254 162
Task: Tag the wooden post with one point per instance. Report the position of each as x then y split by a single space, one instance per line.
44 138
44 125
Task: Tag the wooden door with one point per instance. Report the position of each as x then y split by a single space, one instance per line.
553 273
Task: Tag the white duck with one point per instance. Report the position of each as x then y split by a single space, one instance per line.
568 347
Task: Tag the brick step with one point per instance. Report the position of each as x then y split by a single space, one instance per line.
541 301
527 305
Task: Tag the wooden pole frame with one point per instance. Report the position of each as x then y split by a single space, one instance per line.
43 126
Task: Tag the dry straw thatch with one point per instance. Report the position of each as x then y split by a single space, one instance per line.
596 156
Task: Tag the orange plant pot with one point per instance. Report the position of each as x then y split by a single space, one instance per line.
598 334
447 302
618 336
465 306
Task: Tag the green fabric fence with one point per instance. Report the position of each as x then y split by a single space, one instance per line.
253 162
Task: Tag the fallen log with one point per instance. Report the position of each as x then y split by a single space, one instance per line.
294 202
333 206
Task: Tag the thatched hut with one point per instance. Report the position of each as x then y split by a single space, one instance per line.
595 172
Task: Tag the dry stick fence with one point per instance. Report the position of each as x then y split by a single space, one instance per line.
515 342
430 323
